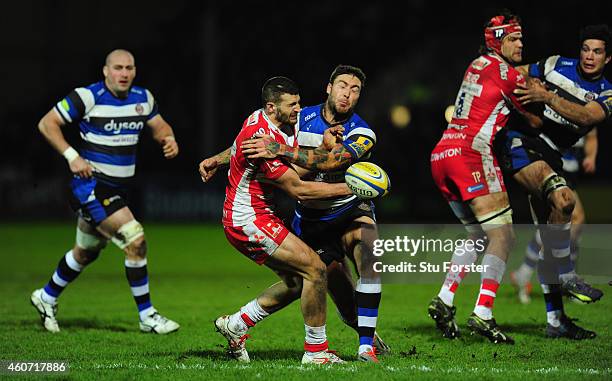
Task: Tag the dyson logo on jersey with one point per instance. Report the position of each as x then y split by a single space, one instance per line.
117 127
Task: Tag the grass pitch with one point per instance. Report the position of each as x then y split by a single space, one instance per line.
195 276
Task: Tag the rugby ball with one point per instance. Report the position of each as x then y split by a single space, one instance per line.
367 180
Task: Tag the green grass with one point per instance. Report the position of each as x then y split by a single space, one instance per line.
196 276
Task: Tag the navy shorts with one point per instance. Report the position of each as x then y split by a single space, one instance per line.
93 200
515 150
322 231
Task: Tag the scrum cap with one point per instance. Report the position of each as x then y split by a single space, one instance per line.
498 28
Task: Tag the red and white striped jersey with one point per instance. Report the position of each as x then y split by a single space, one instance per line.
483 104
247 194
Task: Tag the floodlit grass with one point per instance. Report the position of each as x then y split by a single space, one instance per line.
195 276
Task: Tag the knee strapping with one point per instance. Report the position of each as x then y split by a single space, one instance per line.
492 220
128 233
90 242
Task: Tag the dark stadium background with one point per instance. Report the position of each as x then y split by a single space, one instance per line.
205 63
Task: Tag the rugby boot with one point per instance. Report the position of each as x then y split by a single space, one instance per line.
489 329
568 329
380 347
321 358
235 341
47 311
578 289
156 323
444 316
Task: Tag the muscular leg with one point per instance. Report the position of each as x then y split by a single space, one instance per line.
295 257
494 216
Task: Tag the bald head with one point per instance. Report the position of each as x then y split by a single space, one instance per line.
119 72
119 53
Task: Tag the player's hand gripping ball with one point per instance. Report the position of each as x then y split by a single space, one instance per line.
367 180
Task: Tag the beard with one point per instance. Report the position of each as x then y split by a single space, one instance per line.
338 116
283 119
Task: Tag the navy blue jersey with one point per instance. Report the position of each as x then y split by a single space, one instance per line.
359 139
109 127
562 75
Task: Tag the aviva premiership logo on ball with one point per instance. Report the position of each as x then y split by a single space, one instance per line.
367 180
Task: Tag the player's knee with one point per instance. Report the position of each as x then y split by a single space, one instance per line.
137 249
130 235
315 268
89 243
84 257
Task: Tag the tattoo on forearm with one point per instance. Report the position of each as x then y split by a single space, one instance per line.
223 158
313 158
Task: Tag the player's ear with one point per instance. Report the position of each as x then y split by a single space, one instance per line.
329 87
105 71
270 108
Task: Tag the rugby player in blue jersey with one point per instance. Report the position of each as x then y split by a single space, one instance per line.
581 98
110 116
339 226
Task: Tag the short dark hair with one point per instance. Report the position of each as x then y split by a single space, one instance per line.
277 86
597 32
348 69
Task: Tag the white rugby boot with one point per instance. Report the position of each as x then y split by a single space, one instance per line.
321 358
47 311
235 341
156 323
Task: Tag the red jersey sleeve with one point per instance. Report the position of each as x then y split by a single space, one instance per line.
272 169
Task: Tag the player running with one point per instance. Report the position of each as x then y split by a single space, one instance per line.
110 114
468 175
252 227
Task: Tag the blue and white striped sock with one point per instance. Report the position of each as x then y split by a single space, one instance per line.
137 276
68 269
367 297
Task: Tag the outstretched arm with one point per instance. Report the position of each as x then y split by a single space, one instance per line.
587 115
332 154
208 167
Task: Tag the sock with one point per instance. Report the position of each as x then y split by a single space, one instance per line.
553 298
68 269
461 257
316 339
248 315
491 277
367 297
557 238
137 276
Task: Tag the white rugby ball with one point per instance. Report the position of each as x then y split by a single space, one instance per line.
367 180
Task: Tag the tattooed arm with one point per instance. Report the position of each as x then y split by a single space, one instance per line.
318 159
331 155
209 166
